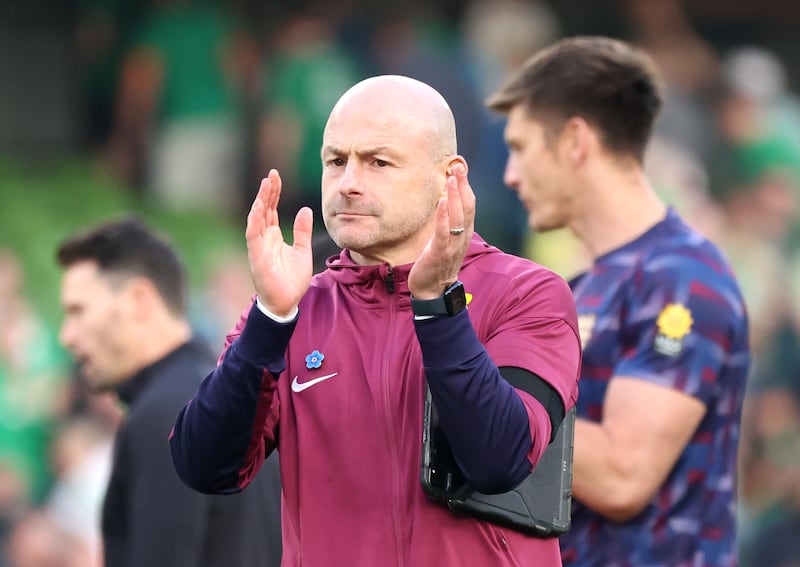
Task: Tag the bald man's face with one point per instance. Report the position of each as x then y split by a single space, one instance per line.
382 176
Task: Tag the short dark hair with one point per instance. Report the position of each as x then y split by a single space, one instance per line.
611 84
128 248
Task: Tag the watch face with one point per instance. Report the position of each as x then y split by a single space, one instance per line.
455 298
451 302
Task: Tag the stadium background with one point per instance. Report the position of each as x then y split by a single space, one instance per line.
174 110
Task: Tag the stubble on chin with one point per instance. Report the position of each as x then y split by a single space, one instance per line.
352 238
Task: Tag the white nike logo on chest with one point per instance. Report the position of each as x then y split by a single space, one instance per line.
298 387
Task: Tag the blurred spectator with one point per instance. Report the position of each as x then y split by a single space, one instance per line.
689 68
757 181
759 119
682 181
748 235
227 288
123 294
37 541
757 75
81 454
14 504
770 487
304 75
502 34
177 126
416 41
760 122
32 389
102 29
499 36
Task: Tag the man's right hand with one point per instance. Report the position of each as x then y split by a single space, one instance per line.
281 273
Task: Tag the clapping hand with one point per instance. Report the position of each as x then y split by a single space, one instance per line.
281 273
440 261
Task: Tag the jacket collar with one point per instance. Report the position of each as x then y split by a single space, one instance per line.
345 271
130 390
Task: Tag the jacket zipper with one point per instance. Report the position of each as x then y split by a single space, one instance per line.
387 405
388 279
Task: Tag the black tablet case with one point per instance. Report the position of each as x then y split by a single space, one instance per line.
540 506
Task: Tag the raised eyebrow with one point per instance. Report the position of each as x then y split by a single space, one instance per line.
330 150
378 150
368 152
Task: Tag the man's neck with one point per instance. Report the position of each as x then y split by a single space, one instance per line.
619 207
165 337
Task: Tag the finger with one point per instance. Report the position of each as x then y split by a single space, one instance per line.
466 194
272 198
255 218
275 189
454 207
442 219
264 190
303 227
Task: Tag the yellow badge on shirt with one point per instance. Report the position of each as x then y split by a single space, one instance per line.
469 297
674 323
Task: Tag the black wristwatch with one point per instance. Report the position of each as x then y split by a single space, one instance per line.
451 302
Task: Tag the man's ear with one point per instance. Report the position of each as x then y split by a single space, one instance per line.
452 161
142 296
578 139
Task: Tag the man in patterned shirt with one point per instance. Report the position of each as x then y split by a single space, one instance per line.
663 324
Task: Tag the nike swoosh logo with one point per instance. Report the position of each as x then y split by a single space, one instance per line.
298 387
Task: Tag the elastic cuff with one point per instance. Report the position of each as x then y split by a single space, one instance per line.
263 341
276 318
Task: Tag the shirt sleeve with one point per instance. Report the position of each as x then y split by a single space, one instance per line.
680 320
484 420
222 436
497 433
536 328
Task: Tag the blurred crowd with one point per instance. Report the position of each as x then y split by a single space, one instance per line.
189 103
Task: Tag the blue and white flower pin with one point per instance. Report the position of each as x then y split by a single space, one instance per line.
314 360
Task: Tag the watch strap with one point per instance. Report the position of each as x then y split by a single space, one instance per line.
451 302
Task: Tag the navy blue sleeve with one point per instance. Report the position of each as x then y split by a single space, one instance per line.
481 415
218 441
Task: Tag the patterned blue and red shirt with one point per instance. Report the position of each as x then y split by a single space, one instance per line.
665 308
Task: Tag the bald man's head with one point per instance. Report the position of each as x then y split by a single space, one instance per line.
418 109
388 150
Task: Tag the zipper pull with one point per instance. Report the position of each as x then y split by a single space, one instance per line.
389 280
